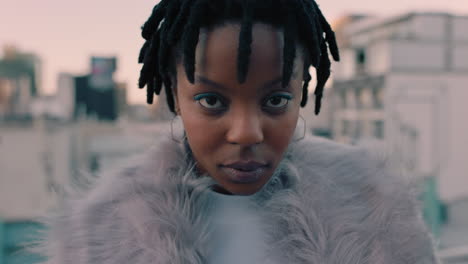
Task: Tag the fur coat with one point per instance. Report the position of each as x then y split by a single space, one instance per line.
326 204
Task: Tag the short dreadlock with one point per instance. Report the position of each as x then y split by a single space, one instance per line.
174 28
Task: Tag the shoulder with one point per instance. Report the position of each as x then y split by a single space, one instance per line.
362 192
348 165
106 222
357 176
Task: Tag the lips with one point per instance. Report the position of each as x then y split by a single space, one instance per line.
245 165
244 171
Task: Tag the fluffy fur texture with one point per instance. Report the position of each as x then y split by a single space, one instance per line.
326 204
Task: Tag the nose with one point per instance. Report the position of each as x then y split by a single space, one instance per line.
245 128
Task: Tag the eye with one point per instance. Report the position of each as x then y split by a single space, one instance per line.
210 101
278 101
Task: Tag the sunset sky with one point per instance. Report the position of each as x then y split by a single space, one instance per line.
66 33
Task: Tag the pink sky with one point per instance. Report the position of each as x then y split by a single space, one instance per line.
66 33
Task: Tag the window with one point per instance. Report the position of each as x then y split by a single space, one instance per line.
379 129
361 58
343 98
94 163
377 97
345 127
358 129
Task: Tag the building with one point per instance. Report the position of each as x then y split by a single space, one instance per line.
20 83
34 162
403 80
322 124
40 157
121 98
95 95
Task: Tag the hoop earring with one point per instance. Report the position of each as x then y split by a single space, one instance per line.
177 129
300 130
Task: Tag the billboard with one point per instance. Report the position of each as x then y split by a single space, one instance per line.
102 70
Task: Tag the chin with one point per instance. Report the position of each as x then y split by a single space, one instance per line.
242 183
243 189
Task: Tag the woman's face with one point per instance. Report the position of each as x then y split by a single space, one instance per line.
239 132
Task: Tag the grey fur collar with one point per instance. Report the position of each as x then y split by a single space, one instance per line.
327 204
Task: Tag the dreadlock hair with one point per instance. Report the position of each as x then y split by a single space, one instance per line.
172 33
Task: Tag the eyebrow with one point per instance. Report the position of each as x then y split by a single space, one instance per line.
219 86
209 82
273 83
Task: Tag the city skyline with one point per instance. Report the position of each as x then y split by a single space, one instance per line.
65 34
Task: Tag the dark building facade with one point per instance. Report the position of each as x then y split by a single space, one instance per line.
96 94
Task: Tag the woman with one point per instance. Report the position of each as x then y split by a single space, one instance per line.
239 184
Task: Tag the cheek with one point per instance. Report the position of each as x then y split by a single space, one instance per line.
196 128
203 135
281 132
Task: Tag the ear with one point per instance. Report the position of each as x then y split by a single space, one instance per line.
177 109
176 103
176 97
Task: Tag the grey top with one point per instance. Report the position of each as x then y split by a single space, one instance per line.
237 231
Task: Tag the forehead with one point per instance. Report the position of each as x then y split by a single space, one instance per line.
219 47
